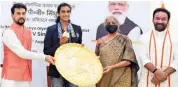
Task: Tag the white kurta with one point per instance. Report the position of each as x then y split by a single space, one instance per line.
12 42
147 57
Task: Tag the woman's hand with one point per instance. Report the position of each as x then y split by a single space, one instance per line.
107 69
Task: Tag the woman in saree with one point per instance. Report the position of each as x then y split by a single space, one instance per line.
117 57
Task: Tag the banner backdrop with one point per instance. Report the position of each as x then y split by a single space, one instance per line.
87 14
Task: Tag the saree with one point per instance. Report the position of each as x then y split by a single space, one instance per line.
112 52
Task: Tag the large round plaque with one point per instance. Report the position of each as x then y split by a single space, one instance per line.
78 64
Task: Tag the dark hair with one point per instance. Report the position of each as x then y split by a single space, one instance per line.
59 9
18 5
162 10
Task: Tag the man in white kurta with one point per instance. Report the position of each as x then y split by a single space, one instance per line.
159 53
12 42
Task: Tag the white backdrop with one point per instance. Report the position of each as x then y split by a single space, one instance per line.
87 14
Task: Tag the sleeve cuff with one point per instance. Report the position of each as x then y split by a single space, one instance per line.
146 61
42 57
173 66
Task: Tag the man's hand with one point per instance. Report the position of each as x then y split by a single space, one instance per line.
155 81
169 70
107 69
50 59
160 75
63 40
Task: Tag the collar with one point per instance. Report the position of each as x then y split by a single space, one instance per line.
160 34
16 26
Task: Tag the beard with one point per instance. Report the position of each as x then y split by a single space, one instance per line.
20 22
120 17
160 26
